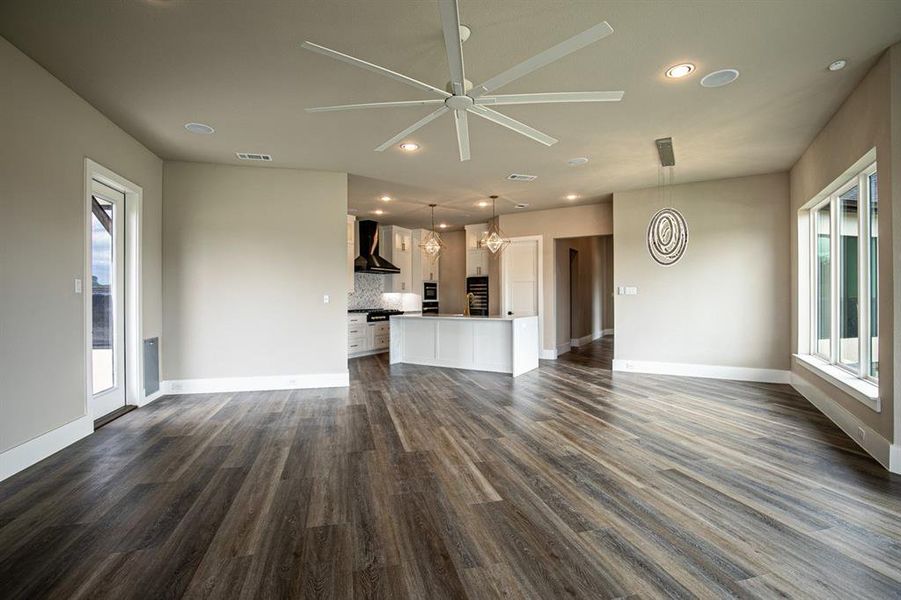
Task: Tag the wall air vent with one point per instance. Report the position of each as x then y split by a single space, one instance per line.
253 156
519 177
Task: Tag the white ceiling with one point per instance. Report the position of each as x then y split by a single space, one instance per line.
153 65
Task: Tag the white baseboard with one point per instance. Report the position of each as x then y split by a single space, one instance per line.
563 348
707 371
255 384
607 332
33 451
154 396
582 341
545 354
887 454
368 353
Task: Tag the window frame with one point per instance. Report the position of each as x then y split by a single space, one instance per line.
862 181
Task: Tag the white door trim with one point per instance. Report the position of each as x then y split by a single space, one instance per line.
540 275
134 364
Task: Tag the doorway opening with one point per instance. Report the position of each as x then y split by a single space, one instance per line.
113 357
584 298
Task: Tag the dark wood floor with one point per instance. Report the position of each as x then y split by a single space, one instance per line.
429 483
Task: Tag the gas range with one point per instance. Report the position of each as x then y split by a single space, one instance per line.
376 314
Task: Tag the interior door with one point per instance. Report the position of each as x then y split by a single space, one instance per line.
107 356
520 278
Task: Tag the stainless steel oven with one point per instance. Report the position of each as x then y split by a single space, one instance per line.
430 291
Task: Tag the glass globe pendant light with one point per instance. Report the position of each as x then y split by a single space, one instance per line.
431 244
494 239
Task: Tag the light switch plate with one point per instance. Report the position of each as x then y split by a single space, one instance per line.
77 285
325 299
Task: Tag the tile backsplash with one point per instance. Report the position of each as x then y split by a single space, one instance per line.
369 292
368 289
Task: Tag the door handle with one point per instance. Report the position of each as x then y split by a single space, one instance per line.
509 313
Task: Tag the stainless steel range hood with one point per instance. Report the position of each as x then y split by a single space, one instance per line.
369 260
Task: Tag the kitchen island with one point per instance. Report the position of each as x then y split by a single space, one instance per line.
499 344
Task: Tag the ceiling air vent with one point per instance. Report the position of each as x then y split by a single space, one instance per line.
253 156
665 150
519 177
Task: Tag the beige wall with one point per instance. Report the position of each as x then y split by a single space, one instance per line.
895 211
248 255
582 313
726 303
47 132
576 221
607 319
864 121
452 272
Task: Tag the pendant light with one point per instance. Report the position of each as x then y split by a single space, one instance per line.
431 244
494 239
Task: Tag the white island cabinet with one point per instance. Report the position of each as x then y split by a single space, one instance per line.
499 344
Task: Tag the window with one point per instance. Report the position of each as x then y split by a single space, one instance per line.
845 277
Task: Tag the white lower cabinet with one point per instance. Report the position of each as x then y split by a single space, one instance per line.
366 338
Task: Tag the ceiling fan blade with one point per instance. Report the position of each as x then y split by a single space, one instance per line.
577 42
505 121
462 123
550 97
400 104
450 24
420 123
374 68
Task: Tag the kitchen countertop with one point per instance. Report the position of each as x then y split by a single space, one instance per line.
460 317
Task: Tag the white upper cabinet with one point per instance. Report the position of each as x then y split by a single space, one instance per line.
476 254
395 246
429 267
424 268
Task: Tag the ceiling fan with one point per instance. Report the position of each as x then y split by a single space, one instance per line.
465 98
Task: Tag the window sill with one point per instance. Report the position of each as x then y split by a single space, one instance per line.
865 392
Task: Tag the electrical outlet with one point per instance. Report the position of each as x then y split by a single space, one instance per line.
861 434
325 299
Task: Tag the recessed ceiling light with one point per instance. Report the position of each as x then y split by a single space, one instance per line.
409 147
572 196
719 78
200 128
386 198
577 162
521 205
442 225
838 65
378 211
483 204
679 71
